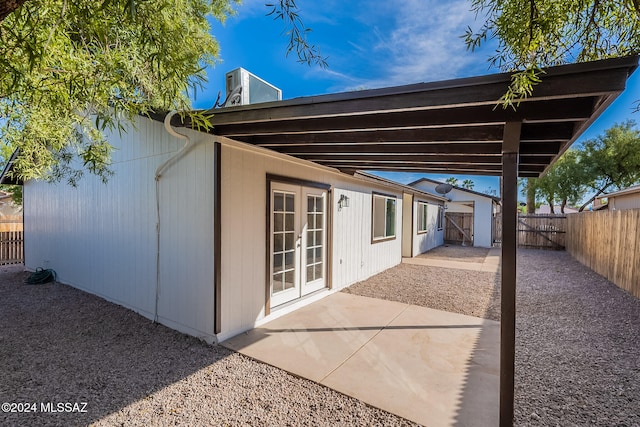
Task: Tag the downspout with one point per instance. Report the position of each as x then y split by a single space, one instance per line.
187 145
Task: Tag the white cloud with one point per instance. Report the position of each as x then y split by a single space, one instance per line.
422 44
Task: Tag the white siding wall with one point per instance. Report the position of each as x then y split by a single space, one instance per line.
422 242
482 220
355 256
483 214
244 252
102 239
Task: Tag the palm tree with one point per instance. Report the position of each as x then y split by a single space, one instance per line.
468 184
453 181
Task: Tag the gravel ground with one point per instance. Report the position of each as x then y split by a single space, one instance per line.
474 293
577 354
577 345
58 345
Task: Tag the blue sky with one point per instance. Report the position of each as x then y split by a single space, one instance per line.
369 44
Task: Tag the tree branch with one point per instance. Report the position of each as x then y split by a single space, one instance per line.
8 6
599 192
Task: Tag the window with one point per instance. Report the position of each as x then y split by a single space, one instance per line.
423 226
384 217
440 217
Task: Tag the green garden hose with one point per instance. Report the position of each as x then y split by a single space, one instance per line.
41 276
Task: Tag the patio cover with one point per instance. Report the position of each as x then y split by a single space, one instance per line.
455 127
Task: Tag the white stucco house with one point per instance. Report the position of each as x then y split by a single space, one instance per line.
214 233
461 200
290 231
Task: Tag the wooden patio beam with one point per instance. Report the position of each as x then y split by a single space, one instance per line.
550 148
559 110
531 132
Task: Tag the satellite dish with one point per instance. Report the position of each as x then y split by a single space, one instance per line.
443 188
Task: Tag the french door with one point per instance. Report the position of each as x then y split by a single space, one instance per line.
298 242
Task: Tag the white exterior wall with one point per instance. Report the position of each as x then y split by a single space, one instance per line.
244 250
102 238
422 242
483 211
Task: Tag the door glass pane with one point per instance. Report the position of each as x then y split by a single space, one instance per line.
318 271
311 238
289 203
289 222
289 260
278 222
278 202
278 282
311 204
277 263
289 278
277 242
289 241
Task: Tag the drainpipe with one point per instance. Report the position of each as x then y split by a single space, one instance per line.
187 145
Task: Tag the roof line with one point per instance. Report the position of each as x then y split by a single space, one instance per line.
495 198
404 187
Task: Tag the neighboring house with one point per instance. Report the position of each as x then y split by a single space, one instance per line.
629 198
546 210
481 207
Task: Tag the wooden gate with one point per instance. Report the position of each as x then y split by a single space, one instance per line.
535 231
459 228
542 231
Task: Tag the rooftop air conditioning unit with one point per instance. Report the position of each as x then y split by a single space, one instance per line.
244 88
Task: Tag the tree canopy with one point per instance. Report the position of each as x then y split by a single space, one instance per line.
610 161
72 70
532 34
69 70
565 182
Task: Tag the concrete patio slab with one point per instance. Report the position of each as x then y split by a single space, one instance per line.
429 366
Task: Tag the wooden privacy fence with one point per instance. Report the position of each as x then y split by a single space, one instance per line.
607 243
536 231
11 247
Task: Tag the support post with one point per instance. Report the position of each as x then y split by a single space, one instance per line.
510 150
